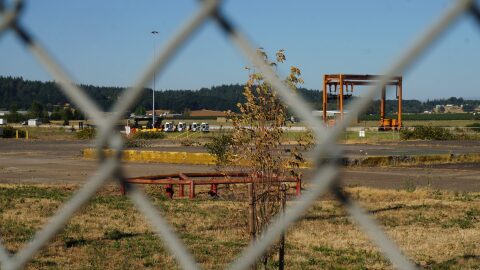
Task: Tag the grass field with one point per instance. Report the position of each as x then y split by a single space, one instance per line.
437 229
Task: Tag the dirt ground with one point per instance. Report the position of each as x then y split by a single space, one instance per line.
360 149
57 162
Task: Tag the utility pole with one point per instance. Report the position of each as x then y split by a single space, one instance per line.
154 75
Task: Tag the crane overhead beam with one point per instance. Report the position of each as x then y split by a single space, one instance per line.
343 85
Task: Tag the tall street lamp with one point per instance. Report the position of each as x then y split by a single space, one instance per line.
154 75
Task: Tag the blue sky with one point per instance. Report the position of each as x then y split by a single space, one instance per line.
109 43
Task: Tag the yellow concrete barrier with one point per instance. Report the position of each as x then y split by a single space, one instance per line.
156 156
163 157
208 159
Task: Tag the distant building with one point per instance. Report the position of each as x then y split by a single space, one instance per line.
8 112
34 122
330 114
449 108
207 113
454 109
439 109
158 112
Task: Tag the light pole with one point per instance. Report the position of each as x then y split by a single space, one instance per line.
153 90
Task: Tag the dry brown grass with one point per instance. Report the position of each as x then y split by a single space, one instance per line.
437 229
49 133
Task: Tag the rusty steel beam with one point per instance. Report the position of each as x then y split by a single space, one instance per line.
240 181
159 176
361 77
191 195
360 82
214 174
341 96
324 99
199 182
298 187
382 106
181 191
399 116
163 181
332 76
186 176
182 179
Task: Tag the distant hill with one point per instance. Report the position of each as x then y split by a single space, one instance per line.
20 93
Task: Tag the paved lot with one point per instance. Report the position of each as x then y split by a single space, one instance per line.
40 161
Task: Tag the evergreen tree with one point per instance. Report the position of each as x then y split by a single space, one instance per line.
36 110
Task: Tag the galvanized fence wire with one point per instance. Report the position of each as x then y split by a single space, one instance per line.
326 176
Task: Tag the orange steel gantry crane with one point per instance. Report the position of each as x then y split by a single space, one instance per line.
340 86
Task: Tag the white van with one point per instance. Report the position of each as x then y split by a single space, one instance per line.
181 127
168 127
204 127
194 127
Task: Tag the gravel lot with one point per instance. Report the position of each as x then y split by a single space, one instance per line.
46 161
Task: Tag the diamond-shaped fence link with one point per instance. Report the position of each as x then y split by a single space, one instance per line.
325 178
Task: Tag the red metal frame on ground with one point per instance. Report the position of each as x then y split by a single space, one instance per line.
346 82
196 179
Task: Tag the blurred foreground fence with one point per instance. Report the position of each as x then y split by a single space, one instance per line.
326 176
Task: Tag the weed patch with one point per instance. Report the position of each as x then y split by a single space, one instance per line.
33 192
426 133
15 231
148 135
86 134
468 220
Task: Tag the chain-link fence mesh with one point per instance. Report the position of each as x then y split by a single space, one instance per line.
325 178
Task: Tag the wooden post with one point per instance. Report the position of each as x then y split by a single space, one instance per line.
281 248
251 214
26 134
16 133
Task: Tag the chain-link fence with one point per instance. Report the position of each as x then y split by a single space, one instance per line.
326 176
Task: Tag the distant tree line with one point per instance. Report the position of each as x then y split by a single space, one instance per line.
37 110
20 93
41 97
